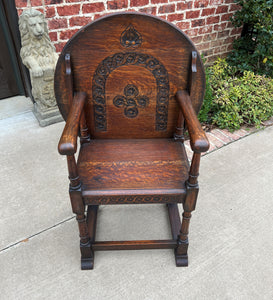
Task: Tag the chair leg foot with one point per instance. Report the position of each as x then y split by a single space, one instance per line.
181 252
87 263
181 260
87 256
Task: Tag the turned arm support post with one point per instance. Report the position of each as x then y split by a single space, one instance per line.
198 140
199 143
68 141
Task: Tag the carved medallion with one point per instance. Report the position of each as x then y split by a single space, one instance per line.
131 101
130 37
117 60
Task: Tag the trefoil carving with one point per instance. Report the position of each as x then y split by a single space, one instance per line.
130 37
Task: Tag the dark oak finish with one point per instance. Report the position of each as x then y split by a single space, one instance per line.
135 245
174 219
133 171
68 141
126 84
92 221
199 141
102 67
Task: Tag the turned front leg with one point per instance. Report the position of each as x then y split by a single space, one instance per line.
188 206
181 253
78 207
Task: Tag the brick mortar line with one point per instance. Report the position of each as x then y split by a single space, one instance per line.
201 40
233 140
174 22
55 6
222 132
225 143
56 17
157 5
211 143
211 133
136 7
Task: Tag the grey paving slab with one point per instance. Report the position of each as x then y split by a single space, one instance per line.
33 196
14 106
47 267
231 236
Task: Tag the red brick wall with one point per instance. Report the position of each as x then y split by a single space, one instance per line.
206 22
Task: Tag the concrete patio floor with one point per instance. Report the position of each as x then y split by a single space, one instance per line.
231 231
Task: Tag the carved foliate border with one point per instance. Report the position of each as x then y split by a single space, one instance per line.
103 200
117 60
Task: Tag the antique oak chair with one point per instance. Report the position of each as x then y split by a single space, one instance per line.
127 84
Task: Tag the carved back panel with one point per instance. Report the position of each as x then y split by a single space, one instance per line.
130 65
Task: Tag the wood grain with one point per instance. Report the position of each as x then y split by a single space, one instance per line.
68 141
133 167
134 245
198 140
159 40
136 79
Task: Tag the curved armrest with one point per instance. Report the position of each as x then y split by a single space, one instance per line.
198 139
68 142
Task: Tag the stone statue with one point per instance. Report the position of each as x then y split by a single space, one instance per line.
40 57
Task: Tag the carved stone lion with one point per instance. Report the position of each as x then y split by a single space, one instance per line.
39 56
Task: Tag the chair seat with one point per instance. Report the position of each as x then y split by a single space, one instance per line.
133 171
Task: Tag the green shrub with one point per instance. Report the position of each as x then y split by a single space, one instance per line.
254 50
238 98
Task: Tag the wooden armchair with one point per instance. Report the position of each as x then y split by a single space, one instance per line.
127 84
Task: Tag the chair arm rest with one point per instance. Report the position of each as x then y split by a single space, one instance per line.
198 139
68 141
